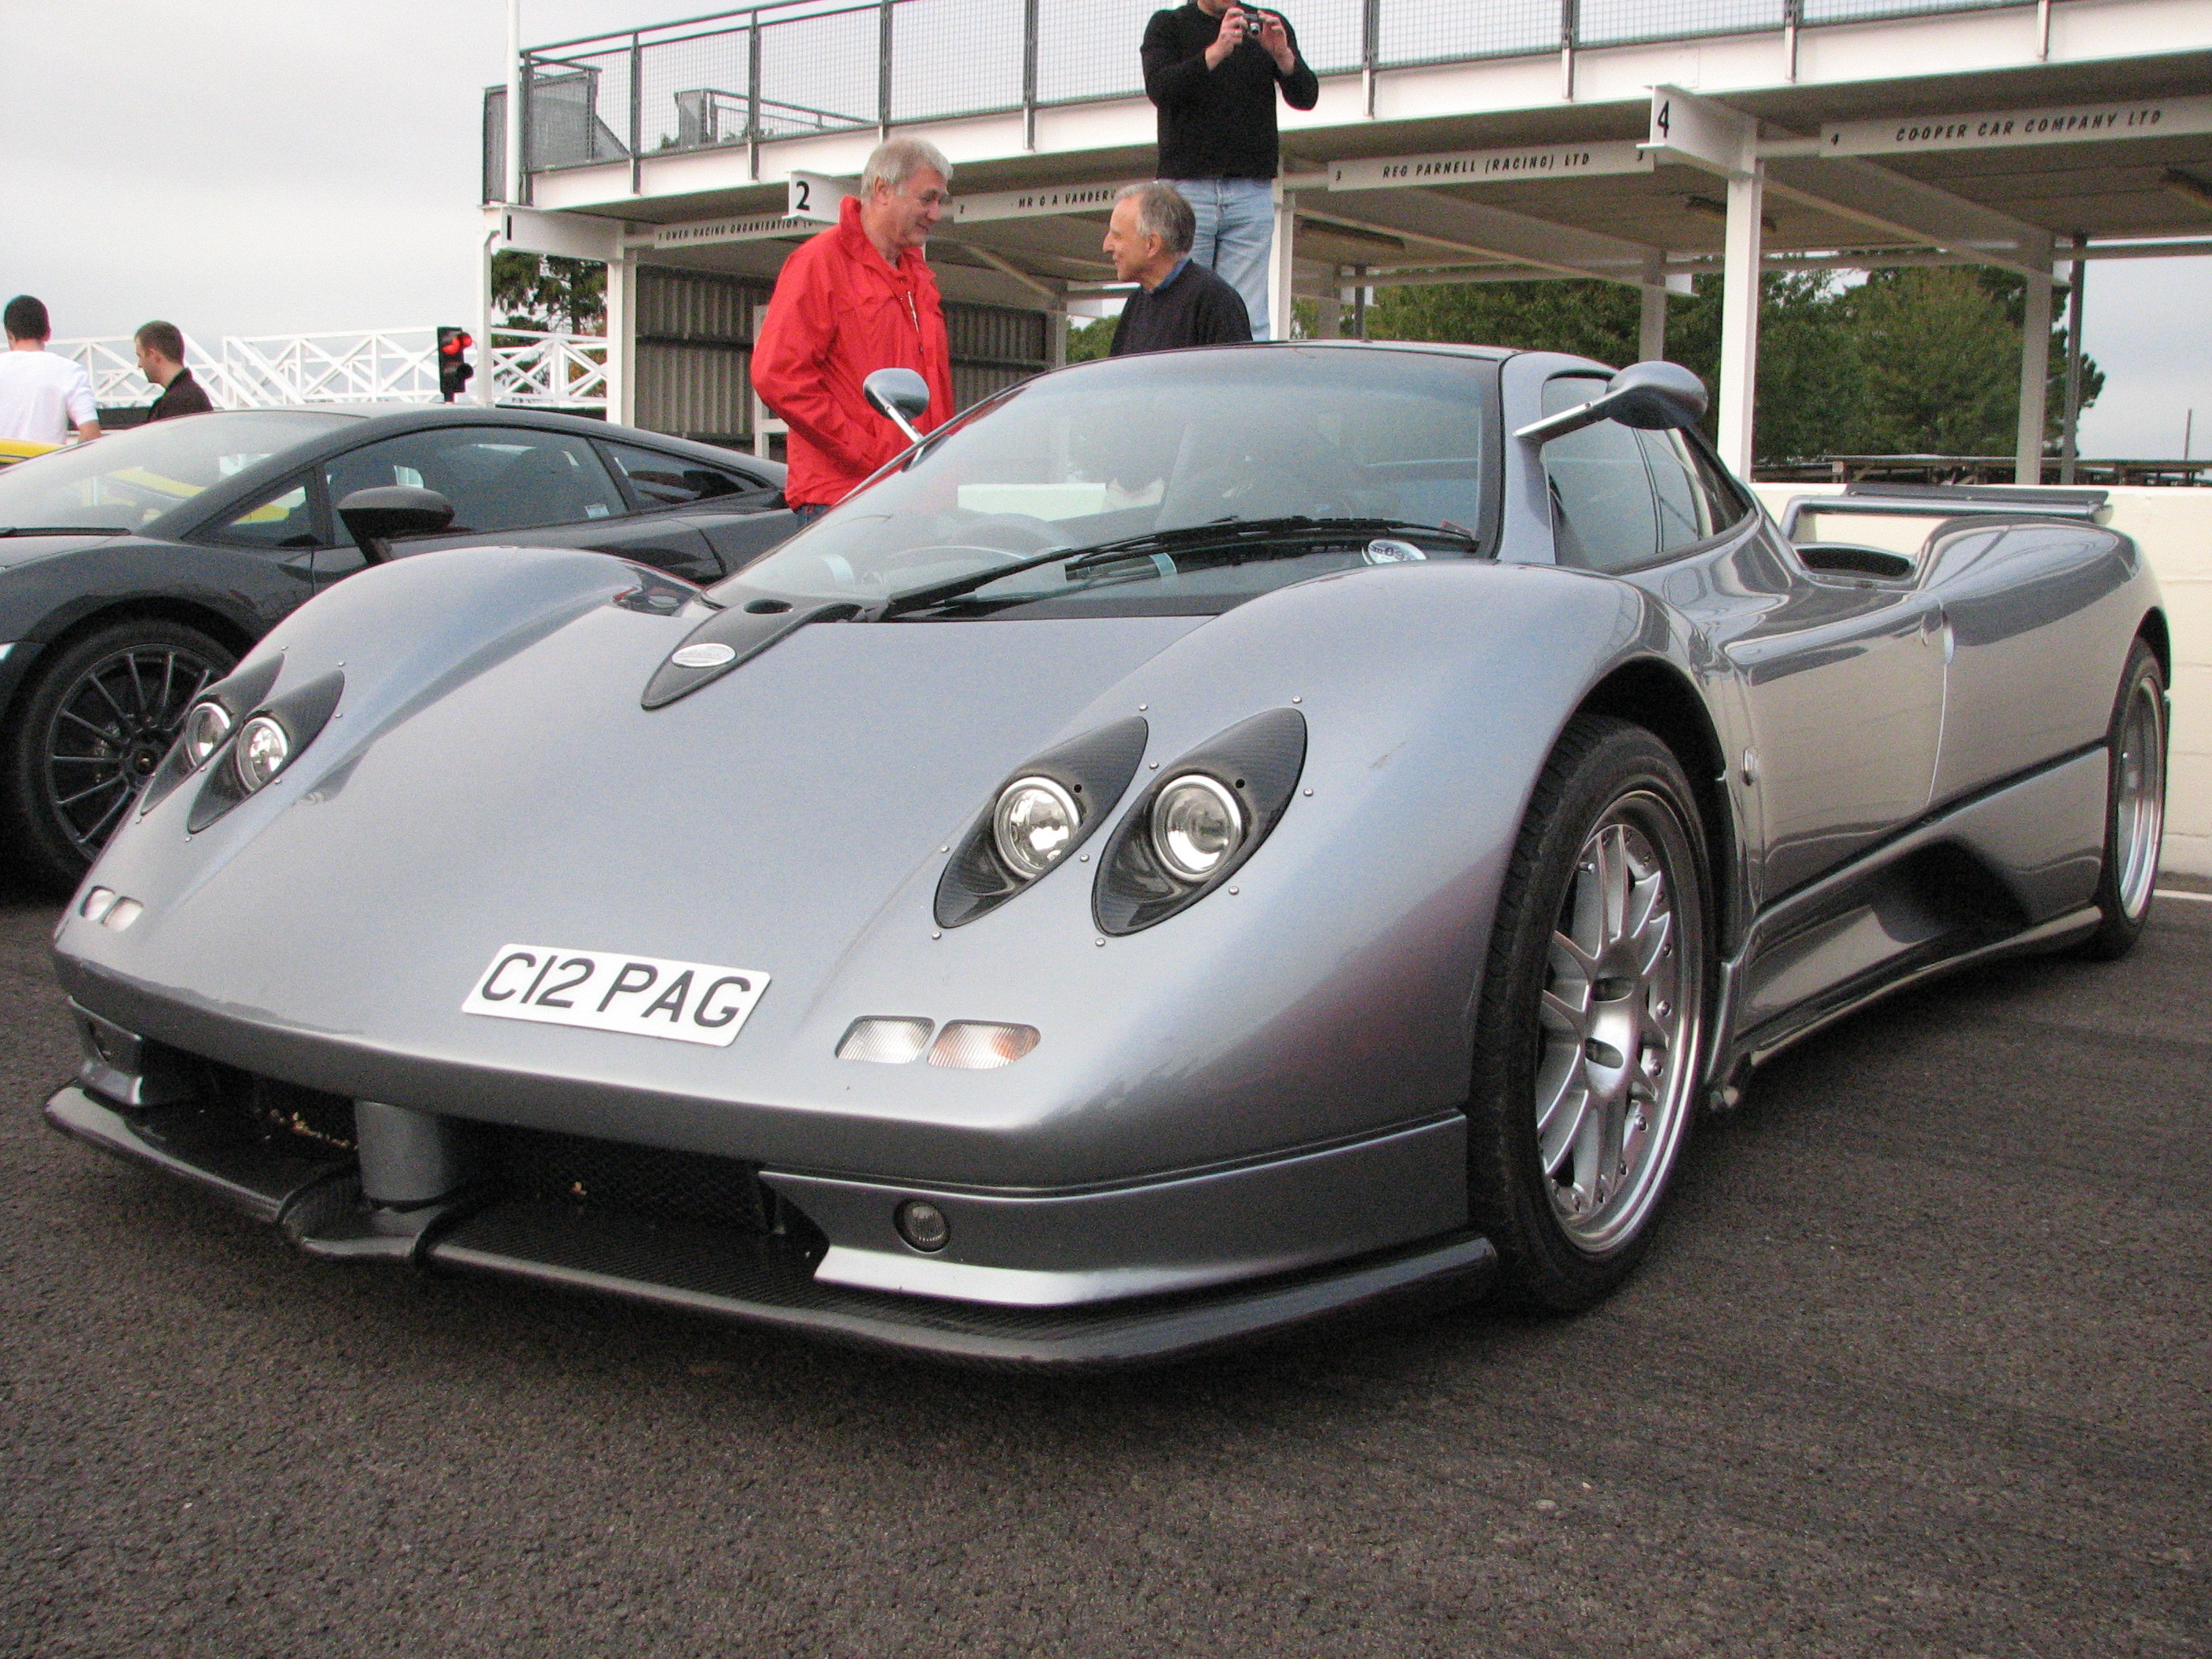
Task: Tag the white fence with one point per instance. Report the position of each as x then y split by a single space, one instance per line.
528 368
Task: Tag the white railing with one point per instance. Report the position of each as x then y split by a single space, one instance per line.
557 371
528 367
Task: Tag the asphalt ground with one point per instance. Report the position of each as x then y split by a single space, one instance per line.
1920 1365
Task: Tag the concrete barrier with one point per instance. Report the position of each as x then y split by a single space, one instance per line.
2175 529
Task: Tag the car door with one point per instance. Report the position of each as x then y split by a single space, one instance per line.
741 514
1841 681
512 484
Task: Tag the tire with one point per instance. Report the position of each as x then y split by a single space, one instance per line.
90 728
2135 806
1590 1029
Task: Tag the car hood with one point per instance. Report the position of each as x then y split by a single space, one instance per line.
494 779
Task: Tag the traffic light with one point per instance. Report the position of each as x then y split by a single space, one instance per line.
454 366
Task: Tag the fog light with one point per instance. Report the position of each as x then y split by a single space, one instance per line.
123 913
974 1045
885 1041
923 1225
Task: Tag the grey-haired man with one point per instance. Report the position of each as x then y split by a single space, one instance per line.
1178 301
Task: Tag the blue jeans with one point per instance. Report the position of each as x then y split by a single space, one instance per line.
1236 234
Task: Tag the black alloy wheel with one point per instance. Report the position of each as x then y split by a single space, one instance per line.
91 728
1591 1032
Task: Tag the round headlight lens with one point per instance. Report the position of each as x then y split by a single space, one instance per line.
1197 822
205 727
1033 825
263 746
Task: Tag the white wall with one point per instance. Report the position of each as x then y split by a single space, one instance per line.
2175 529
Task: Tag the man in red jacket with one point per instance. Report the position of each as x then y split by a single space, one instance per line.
854 299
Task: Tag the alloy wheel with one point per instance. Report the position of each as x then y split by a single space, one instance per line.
1619 1026
111 730
2139 795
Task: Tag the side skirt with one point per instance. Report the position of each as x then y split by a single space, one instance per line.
2011 870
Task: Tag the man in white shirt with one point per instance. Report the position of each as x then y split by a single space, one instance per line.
42 395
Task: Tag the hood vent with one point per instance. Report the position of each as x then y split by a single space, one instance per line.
730 638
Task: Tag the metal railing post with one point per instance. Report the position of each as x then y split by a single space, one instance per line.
1793 15
522 159
1029 73
753 92
1569 27
636 115
884 75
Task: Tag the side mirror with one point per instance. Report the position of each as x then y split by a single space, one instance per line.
375 516
900 393
1654 396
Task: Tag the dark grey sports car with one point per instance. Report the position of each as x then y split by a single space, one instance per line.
134 570
1203 841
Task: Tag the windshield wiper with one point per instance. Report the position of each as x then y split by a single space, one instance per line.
61 530
1236 539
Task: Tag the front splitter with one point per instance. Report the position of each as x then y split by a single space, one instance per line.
765 1281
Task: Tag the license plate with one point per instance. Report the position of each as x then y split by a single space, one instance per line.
608 990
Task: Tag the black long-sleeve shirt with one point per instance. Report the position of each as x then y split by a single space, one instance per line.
182 396
1217 123
1193 307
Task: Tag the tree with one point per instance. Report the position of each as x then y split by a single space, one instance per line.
1092 339
1915 361
543 291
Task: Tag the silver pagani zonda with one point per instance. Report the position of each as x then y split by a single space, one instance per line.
1202 841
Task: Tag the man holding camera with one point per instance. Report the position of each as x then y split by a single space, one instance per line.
1212 67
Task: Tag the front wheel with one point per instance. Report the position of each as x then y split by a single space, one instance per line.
90 731
1591 1025
2135 814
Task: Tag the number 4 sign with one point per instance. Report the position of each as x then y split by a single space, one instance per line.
814 197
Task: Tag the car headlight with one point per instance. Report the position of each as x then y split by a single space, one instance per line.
1197 824
1192 832
1033 825
205 727
263 746
1038 818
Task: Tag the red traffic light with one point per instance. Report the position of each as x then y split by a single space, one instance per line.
454 369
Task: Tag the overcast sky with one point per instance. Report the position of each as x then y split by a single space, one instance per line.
274 167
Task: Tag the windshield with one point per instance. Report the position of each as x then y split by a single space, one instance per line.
129 480
1155 452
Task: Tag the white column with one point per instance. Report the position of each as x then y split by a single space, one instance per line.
2069 436
2034 374
1740 317
1331 310
1280 292
1651 329
482 388
622 337
1056 328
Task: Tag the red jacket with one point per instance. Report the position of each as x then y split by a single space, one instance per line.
839 313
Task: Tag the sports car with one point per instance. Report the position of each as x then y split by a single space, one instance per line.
1201 841
134 570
